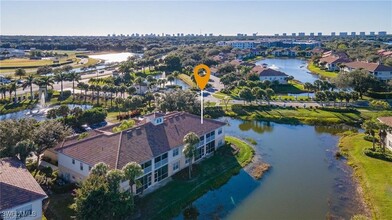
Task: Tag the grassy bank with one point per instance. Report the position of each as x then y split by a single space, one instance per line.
210 174
374 175
187 80
300 115
326 74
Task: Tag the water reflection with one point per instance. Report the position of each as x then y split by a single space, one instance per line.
306 181
256 126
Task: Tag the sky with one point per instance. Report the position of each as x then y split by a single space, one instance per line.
171 17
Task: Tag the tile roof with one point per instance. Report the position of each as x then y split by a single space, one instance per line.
17 185
139 143
334 59
267 71
368 66
386 120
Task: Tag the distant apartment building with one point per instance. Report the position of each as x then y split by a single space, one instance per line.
378 70
251 44
311 34
284 34
372 33
362 34
353 34
301 34
319 34
156 144
293 34
343 34
382 33
333 34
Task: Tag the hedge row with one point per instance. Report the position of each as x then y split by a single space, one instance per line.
378 154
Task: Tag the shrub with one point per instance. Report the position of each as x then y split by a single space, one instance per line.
378 154
369 138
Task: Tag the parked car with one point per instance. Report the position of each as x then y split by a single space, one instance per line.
98 125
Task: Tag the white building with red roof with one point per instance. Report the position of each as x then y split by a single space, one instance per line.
20 195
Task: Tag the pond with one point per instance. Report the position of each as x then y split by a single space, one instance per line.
305 182
178 82
114 57
292 67
38 113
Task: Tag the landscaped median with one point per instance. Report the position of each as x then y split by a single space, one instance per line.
374 175
209 174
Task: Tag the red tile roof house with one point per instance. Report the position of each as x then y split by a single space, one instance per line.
332 61
156 145
270 74
20 195
379 71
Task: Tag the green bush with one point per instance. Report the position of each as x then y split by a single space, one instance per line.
64 188
378 154
370 138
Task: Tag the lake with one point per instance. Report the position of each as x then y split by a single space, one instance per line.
292 67
305 181
114 57
38 114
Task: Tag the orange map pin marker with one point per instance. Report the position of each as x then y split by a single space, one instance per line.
202 80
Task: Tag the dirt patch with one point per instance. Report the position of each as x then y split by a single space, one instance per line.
257 168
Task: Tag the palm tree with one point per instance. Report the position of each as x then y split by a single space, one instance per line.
74 77
45 81
98 88
92 89
60 77
105 89
190 140
308 86
20 72
175 75
83 86
370 128
12 88
139 80
170 78
132 171
268 94
122 88
131 90
30 80
3 90
112 89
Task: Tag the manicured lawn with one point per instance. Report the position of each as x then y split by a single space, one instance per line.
374 175
210 174
300 115
27 62
326 74
219 95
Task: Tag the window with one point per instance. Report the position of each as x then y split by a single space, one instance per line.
160 160
210 147
145 182
176 165
187 160
73 161
220 131
161 173
24 211
81 166
199 153
147 166
175 152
